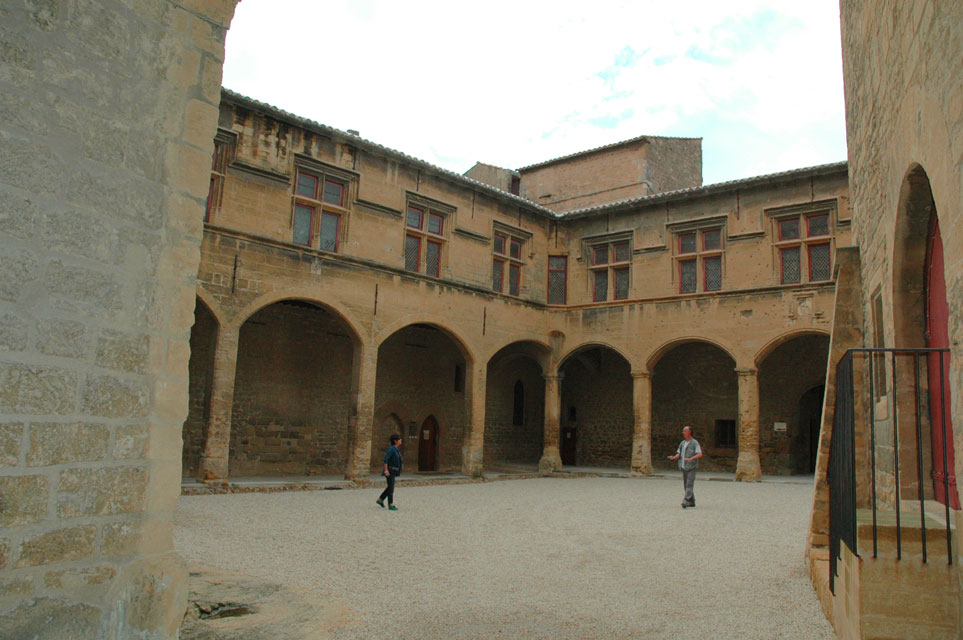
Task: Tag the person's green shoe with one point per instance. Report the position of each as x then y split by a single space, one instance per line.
380 503
392 507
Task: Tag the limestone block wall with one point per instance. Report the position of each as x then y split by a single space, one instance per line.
109 110
506 441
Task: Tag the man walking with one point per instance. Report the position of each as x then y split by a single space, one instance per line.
392 469
688 455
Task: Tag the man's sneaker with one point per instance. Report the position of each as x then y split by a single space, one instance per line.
392 507
380 502
685 504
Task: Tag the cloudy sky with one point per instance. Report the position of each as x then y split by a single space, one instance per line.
513 83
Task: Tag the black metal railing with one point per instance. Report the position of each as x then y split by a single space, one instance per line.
841 474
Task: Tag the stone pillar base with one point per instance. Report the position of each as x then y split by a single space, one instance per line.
551 461
748 468
639 470
212 471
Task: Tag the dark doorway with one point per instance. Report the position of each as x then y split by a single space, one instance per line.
568 447
428 444
810 416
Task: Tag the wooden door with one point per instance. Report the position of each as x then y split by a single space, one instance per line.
938 378
428 445
567 452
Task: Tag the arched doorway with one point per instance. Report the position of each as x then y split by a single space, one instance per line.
786 375
515 405
422 371
596 422
292 392
920 319
200 378
810 416
695 384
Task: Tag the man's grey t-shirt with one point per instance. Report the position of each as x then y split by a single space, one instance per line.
687 449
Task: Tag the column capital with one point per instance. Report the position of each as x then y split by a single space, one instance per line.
640 374
554 377
746 371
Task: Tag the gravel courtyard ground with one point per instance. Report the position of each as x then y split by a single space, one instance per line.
537 558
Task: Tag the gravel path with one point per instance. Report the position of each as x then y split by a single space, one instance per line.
541 558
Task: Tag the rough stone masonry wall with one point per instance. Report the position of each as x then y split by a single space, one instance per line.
693 384
598 384
506 441
292 393
108 114
201 370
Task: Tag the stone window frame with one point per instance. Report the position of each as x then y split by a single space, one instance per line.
804 240
608 263
225 148
510 237
702 253
433 226
318 205
563 271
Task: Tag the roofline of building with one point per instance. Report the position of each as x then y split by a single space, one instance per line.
711 189
512 172
533 207
606 147
312 125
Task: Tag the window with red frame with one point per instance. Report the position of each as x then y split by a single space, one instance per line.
223 150
506 255
557 279
319 209
424 240
609 270
803 245
700 251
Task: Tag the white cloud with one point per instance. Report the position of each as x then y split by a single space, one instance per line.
514 83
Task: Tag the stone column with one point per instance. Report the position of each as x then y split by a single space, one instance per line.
551 459
213 465
360 423
642 429
473 451
748 468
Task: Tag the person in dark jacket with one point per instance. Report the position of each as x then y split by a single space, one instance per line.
392 469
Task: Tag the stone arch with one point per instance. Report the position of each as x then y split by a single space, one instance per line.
294 385
787 368
666 347
512 438
694 382
439 323
308 295
917 227
591 345
424 368
597 418
781 339
212 305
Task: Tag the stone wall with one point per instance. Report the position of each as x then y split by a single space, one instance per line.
108 114
506 441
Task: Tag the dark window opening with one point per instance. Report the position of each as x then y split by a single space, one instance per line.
726 434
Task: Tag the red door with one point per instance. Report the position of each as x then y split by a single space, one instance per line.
567 452
937 336
428 445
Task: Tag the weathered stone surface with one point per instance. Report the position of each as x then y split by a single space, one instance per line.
46 619
79 578
65 338
113 397
10 587
4 553
91 236
101 491
18 269
37 389
81 288
60 443
122 351
61 545
23 499
14 332
11 436
131 442
121 538
145 593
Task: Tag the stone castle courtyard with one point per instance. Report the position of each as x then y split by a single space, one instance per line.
537 558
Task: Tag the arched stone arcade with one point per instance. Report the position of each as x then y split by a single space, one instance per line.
515 405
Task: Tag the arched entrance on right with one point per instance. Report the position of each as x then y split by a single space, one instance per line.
791 379
921 319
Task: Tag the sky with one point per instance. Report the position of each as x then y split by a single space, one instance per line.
514 83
